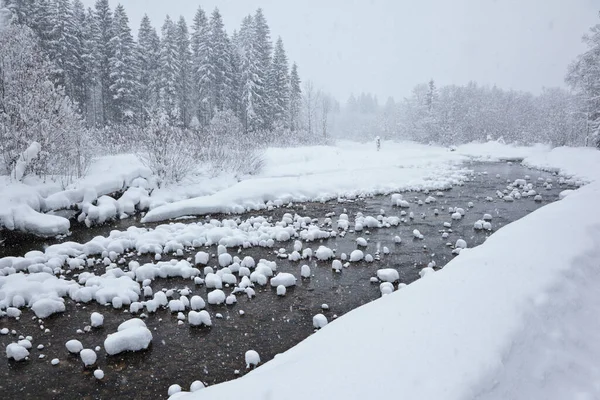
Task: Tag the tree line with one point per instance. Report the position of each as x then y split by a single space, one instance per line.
457 114
177 97
187 72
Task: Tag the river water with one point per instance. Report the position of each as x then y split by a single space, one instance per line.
270 324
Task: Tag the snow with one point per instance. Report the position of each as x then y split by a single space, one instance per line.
88 356
514 321
388 275
386 288
216 297
196 385
198 318
283 278
324 253
16 352
174 389
356 255
252 358
305 271
131 335
99 374
74 346
319 321
322 173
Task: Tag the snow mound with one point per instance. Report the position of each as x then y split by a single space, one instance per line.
388 275
132 335
16 352
283 278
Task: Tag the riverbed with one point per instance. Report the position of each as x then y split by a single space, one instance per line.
270 324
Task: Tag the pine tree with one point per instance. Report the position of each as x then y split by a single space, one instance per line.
102 53
235 90
200 44
278 86
77 67
262 41
219 64
92 110
41 22
295 99
147 61
123 71
169 71
184 78
252 87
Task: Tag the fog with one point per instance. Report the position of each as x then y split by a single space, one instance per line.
387 46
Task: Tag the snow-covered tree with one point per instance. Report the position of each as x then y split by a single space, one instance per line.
33 109
264 47
295 104
218 71
102 53
123 69
184 76
252 85
148 70
584 77
200 45
279 84
169 71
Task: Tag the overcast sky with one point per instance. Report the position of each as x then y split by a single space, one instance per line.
387 46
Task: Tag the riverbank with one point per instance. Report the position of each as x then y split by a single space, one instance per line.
511 318
300 174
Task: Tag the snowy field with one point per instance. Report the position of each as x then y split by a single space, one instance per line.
496 322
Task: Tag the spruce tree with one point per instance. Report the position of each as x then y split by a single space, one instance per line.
200 44
102 53
278 87
123 69
148 63
295 99
184 78
262 41
169 71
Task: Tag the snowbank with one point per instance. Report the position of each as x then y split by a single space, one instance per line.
580 162
454 330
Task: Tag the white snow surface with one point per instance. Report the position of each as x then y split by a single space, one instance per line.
131 335
492 324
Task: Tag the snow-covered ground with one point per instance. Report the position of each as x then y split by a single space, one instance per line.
347 169
512 318
496 322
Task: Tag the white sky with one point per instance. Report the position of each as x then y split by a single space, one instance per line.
388 46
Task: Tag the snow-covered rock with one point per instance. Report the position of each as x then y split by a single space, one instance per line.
74 346
88 356
198 318
216 297
252 358
319 321
132 335
283 278
388 275
16 352
96 319
356 255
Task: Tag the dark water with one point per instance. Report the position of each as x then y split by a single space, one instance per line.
271 324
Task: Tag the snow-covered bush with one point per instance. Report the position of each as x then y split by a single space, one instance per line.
224 146
167 150
33 109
